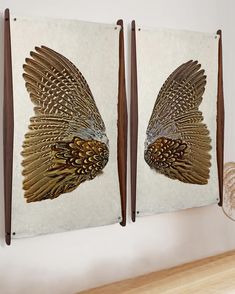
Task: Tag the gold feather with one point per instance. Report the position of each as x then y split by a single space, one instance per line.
66 144
177 142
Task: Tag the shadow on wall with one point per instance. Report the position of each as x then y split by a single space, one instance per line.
2 214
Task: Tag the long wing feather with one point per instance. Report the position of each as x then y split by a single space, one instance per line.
177 142
66 143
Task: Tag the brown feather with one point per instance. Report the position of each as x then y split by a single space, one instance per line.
66 144
178 142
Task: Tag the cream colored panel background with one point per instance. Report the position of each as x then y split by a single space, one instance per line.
93 48
159 53
73 261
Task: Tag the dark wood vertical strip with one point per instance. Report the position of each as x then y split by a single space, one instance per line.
220 120
122 125
8 126
134 120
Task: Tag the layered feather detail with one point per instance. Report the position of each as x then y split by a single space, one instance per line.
177 141
66 143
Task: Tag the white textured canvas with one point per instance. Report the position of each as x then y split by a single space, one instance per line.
94 49
159 53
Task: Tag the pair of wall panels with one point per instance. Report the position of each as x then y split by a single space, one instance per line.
67 123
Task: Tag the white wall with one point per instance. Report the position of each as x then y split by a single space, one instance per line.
73 261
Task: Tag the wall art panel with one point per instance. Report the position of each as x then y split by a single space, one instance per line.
177 74
66 84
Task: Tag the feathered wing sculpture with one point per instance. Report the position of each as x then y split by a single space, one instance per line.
66 144
178 143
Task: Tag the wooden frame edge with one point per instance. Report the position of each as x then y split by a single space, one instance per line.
8 126
122 125
134 120
220 120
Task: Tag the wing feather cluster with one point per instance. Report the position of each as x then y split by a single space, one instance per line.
177 141
66 143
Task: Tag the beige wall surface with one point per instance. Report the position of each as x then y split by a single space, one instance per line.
70 262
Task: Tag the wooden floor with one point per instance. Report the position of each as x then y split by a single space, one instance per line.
211 275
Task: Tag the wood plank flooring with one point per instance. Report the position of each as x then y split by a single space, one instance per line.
210 275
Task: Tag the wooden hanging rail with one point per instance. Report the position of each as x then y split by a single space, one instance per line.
8 126
122 125
134 120
220 120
